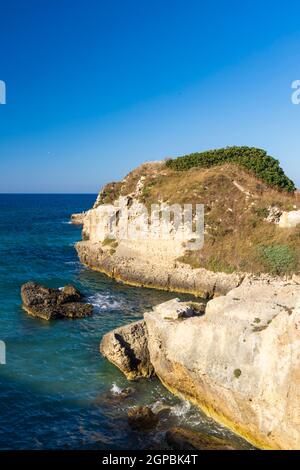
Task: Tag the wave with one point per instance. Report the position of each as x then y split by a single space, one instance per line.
181 409
115 389
104 302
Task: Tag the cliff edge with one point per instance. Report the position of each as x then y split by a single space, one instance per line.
239 362
251 223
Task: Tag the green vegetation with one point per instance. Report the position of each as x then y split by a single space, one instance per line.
278 259
216 265
238 238
110 242
237 373
252 159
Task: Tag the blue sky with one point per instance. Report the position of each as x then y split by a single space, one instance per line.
95 88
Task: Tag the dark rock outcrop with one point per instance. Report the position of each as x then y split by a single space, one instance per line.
127 348
186 439
48 304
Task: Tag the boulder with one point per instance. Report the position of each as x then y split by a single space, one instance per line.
142 418
48 304
174 309
186 439
289 219
126 347
111 398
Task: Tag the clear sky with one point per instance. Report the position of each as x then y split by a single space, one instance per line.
96 87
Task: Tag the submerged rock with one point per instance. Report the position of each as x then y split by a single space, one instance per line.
142 418
113 397
48 304
186 439
127 348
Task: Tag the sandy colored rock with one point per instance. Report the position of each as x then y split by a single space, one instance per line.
78 219
240 362
174 310
127 348
289 219
153 264
164 258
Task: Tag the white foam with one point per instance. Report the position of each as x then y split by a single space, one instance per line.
104 302
115 389
181 409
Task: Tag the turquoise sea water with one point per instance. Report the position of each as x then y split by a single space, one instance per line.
56 391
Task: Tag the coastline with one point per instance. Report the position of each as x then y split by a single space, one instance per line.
177 277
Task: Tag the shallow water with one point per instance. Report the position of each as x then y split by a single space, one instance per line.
56 391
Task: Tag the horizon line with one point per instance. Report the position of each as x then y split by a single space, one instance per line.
47 194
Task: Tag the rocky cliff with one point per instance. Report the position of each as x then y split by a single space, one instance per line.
239 362
249 227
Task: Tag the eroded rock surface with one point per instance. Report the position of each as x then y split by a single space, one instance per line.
153 264
239 362
78 219
48 304
127 348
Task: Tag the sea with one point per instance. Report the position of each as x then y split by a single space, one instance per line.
56 390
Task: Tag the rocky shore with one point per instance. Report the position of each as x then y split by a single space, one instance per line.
135 266
239 362
238 358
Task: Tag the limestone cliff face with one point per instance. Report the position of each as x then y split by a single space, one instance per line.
239 362
249 228
127 349
145 260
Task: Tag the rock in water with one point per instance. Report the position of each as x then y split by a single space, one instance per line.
142 418
48 304
127 348
185 439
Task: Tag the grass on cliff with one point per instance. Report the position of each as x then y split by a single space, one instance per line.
237 202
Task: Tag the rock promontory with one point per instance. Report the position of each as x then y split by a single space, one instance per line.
250 223
239 362
78 219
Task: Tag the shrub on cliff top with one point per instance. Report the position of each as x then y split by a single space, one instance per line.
254 160
278 259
